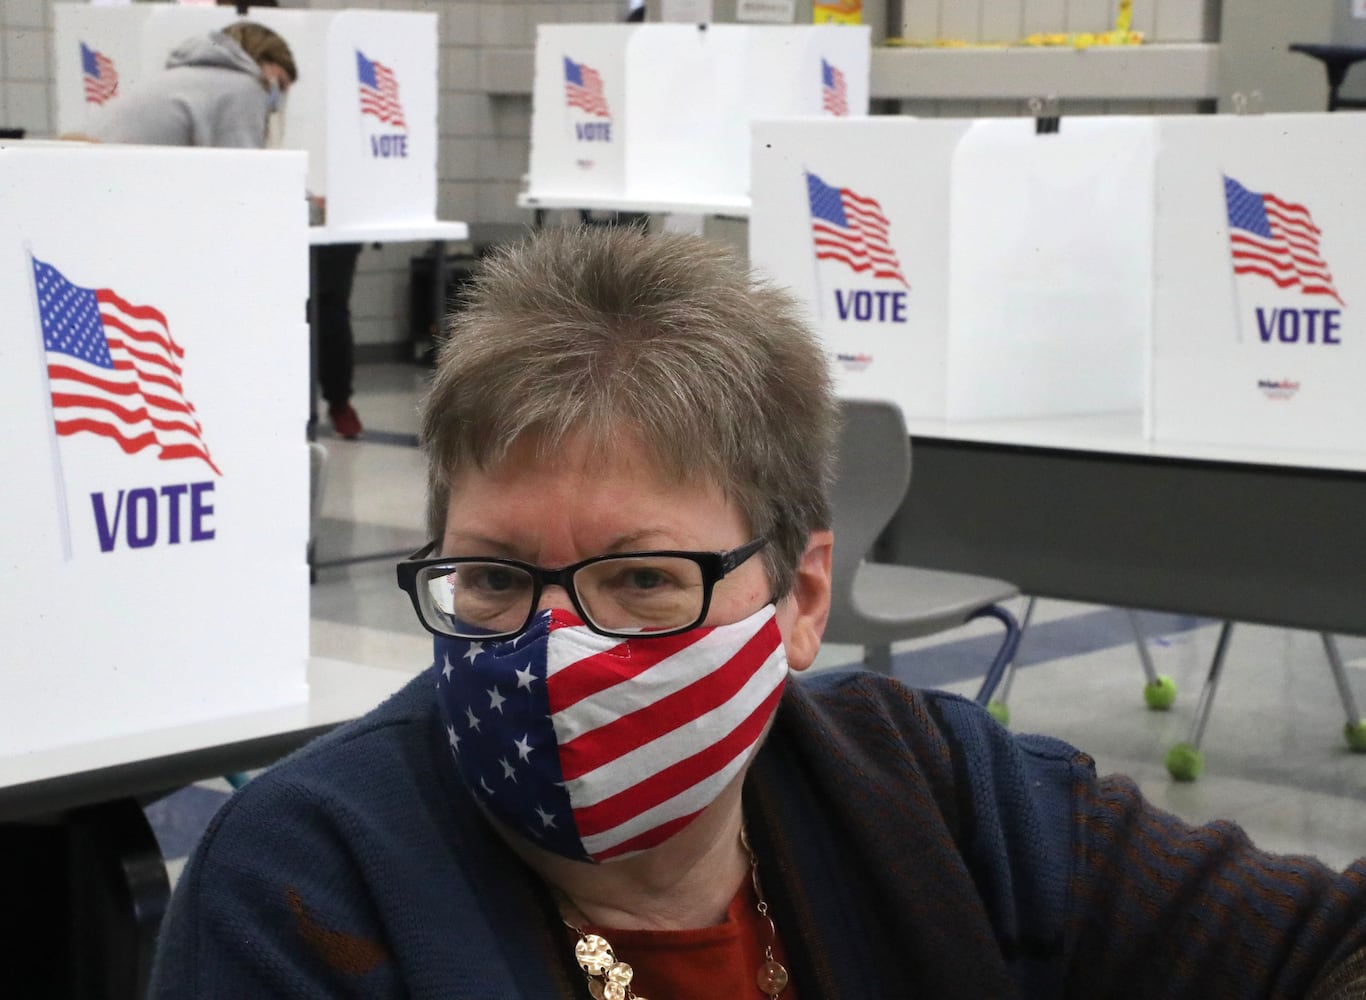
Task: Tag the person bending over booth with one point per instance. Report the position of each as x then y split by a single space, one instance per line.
220 90
615 779
216 90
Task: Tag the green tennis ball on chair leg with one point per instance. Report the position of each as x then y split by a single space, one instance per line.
999 711
1160 694
1185 762
1355 732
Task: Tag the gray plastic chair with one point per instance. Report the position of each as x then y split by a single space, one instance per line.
876 604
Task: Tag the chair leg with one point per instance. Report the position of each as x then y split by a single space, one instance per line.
1004 656
878 658
1355 730
1159 691
999 707
1185 760
1149 671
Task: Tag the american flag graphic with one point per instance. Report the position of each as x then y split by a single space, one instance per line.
114 370
834 93
379 91
852 230
583 88
622 781
100 77
1277 240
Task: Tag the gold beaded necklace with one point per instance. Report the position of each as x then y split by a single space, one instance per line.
609 979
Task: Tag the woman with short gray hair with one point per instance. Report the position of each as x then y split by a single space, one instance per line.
615 781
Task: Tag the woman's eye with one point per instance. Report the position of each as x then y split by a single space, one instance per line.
490 579
646 579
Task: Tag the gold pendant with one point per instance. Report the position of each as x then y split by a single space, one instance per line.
594 954
772 978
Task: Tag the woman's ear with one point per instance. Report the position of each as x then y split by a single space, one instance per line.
802 613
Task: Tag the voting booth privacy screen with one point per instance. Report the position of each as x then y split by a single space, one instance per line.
97 57
1201 269
155 560
364 107
663 111
1259 293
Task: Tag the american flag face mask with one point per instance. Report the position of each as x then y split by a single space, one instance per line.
598 748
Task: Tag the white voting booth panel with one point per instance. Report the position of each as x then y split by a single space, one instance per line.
928 278
97 56
1050 268
381 118
155 565
663 111
302 123
853 218
578 104
171 24
1259 327
363 108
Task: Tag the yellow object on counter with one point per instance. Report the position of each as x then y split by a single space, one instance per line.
1121 34
837 12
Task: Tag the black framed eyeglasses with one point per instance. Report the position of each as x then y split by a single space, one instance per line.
624 595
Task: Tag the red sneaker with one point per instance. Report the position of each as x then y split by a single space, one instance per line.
344 421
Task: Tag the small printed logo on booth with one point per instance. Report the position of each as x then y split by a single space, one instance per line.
854 362
98 74
834 91
1276 240
850 229
379 99
114 371
1278 388
583 91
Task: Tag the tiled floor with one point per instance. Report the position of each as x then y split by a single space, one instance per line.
1275 758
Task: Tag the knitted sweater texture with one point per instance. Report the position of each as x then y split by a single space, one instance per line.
908 846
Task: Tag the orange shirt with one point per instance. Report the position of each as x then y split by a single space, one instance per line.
701 964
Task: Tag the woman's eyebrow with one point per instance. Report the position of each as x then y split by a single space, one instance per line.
484 544
479 544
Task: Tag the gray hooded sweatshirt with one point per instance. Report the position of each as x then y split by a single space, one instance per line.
210 94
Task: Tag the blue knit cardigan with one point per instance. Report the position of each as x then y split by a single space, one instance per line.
909 847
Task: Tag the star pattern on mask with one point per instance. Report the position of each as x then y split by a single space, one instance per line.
498 744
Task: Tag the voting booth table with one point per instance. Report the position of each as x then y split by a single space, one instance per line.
656 117
156 574
1130 352
1201 269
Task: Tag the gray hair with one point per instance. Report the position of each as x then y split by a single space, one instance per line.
605 332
